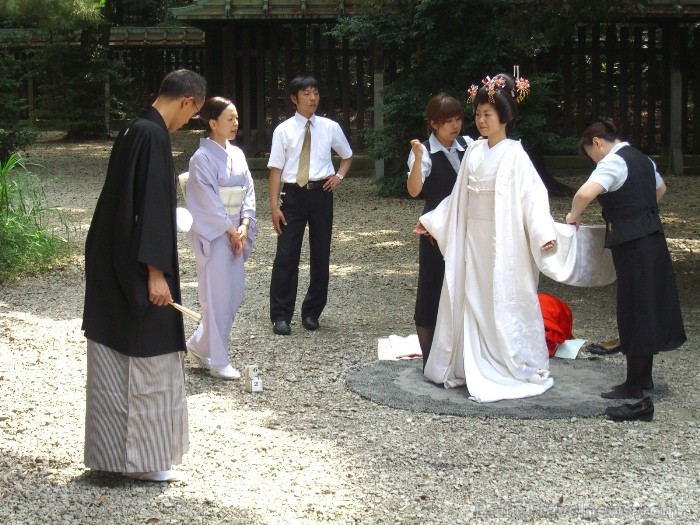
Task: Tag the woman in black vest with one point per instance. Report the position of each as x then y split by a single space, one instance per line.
433 167
628 187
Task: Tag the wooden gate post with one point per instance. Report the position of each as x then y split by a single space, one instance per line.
675 82
379 104
675 143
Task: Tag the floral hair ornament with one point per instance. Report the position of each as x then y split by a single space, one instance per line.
473 90
496 84
522 86
491 84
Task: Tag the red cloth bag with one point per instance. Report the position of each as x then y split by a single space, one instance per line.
558 321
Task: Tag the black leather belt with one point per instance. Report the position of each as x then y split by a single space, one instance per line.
313 185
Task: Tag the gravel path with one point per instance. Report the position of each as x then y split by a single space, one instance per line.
307 449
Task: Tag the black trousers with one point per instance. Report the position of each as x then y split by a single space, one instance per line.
300 207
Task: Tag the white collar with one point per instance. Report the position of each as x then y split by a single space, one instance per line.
302 119
436 145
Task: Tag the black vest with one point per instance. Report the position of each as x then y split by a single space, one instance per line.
631 212
442 177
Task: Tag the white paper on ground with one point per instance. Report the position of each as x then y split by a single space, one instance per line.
396 347
569 348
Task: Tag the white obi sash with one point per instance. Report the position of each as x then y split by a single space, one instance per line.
232 199
231 196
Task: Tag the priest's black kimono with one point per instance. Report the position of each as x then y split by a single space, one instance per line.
136 408
134 225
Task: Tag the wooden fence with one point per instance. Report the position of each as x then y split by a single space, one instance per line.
622 71
625 71
251 63
630 72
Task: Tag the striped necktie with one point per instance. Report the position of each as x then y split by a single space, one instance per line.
305 157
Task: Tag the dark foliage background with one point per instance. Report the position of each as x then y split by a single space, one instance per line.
445 46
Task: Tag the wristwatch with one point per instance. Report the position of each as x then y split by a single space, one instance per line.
341 177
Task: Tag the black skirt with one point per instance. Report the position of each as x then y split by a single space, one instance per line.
431 271
649 317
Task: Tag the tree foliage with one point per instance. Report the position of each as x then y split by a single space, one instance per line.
71 68
56 17
443 45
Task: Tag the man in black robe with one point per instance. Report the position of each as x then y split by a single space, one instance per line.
136 417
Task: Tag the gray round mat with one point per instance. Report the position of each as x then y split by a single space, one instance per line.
576 392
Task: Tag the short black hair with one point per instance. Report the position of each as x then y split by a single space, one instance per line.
604 129
302 82
442 108
183 83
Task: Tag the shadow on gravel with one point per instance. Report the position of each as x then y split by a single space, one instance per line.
576 392
150 502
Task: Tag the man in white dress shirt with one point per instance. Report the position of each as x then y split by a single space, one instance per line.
302 180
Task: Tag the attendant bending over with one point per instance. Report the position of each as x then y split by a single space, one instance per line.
628 187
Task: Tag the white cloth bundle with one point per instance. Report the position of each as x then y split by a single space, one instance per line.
580 258
182 179
183 219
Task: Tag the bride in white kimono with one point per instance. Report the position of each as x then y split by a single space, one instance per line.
222 233
493 231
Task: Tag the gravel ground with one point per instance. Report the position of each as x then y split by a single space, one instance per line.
307 449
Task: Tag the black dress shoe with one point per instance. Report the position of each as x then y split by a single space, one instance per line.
281 327
310 323
640 411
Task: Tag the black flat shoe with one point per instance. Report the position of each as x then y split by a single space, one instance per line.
281 327
640 411
310 323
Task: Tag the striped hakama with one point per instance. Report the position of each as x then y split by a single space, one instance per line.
136 411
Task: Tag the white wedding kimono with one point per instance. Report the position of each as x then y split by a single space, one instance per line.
220 274
489 333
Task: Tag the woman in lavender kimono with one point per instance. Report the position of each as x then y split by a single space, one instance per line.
493 231
221 198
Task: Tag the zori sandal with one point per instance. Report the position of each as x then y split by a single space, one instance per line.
605 347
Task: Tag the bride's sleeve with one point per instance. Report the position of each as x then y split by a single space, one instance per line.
437 223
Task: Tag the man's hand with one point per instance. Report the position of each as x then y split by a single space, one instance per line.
158 289
278 220
331 183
